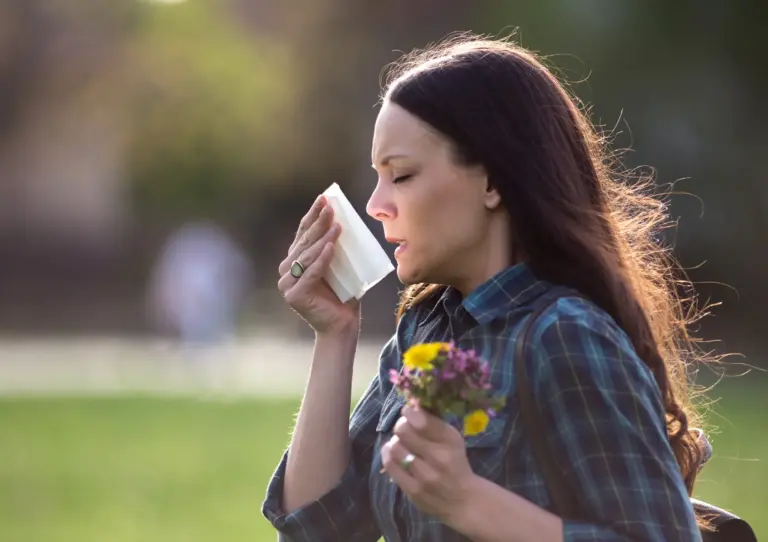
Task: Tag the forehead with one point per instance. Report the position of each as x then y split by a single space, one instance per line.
398 132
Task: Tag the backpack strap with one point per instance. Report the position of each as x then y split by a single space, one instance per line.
727 526
566 504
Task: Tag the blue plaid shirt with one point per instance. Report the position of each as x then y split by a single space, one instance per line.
602 411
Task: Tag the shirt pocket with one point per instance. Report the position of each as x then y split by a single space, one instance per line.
485 451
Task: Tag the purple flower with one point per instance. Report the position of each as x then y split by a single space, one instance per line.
455 376
460 361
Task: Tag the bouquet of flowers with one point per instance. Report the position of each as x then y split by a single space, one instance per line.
450 383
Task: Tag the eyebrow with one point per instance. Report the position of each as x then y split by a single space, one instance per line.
387 159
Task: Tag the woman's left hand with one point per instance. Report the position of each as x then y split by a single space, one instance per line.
439 478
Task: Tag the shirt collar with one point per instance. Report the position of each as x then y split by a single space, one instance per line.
512 287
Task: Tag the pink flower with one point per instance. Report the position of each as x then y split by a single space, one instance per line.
455 383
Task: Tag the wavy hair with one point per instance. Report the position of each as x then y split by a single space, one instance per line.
575 215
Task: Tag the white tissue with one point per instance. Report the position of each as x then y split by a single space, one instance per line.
359 262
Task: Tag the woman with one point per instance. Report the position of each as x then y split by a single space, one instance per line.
496 189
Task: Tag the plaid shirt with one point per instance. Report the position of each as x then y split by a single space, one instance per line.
602 411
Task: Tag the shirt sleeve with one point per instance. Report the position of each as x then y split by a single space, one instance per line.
603 416
344 513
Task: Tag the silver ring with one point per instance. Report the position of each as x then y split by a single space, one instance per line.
297 269
407 461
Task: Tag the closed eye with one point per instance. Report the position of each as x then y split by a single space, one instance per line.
401 178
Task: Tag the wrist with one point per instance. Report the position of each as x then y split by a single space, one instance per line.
469 509
341 333
335 349
488 511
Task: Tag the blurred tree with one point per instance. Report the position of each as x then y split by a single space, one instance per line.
21 52
212 111
681 84
245 109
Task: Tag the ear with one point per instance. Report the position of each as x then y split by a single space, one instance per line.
491 197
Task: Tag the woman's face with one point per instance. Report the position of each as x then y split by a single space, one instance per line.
438 211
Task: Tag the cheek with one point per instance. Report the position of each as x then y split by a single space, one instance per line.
460 229
440 230
433 204
456 219
440 215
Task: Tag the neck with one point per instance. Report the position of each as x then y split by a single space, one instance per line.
490 258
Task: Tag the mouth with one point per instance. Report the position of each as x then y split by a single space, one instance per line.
402 245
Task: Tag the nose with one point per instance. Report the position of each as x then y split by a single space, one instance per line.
380 205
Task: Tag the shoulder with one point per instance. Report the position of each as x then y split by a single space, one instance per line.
574 339
572 313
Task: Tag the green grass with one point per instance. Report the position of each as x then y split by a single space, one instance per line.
137 469
184 470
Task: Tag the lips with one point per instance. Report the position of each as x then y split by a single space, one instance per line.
401 242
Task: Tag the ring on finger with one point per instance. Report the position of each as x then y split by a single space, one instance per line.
407 462
297 269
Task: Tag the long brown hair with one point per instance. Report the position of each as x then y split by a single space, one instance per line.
574 214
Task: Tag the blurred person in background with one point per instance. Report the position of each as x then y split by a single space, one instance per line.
499 193
198 285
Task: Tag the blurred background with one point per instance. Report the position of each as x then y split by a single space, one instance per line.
156 157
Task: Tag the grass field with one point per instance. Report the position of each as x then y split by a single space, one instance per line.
183 470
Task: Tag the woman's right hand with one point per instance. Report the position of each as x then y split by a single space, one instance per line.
310 295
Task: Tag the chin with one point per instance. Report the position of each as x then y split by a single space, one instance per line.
409 275
403 276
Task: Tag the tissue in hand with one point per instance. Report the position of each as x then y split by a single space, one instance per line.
359 262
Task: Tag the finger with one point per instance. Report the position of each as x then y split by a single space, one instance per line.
428 426
286 282
308 219
316 231
411 438
310 256
420 476
302 288
392 455
317 270
309 259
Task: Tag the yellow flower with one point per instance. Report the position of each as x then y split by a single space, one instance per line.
475 422
421 356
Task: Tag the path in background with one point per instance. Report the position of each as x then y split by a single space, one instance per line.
265 364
